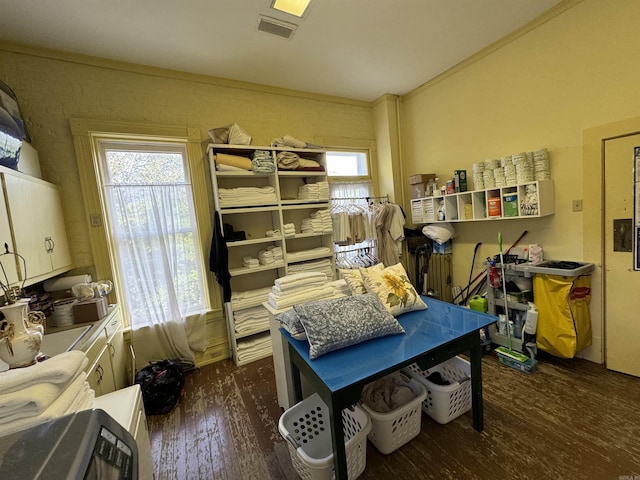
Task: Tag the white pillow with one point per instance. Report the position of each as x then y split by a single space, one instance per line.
441 232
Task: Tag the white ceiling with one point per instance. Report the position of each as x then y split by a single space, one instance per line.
359 49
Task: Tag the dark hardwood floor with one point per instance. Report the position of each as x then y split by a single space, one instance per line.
570 420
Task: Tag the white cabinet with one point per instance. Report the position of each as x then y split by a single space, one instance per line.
108 367
254 225
36 221
528 200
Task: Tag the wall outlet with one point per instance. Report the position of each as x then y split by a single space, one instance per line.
577 205
96 221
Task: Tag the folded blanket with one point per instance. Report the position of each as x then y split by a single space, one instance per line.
233 160
297 289
288 160
58 369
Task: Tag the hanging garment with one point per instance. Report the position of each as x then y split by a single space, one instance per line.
386 247
219 259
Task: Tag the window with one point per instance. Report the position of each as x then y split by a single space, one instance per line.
154 238
347 164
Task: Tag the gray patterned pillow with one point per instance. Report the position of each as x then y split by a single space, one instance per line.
340 322
290 321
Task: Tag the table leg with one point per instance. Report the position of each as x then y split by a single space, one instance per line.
475 355
297 384
337 439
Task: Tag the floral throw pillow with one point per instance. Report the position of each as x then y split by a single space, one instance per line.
340 322
353 277
393 288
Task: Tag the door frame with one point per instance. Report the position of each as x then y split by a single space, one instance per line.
593 142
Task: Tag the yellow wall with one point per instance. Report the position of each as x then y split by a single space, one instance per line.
543 88
53 88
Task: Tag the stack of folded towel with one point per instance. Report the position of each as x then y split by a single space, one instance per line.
288 160
265 257
247 196
276 251
44 391
289 229
251 320
250 262
262 162
341 286
324 265
273 233
318 222
249 298
299 288
314 191
224 161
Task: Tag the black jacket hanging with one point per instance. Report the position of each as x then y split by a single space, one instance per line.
219 259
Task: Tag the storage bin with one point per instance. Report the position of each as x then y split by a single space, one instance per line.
391 430
510 205
306 428
445 402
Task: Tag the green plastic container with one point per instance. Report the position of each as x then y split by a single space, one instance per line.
478 303
510 205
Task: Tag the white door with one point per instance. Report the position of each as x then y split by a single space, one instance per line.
621 282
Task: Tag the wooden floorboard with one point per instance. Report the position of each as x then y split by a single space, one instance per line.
571 420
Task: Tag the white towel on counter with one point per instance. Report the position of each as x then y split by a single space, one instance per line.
77 396
58 369
31 400
294 289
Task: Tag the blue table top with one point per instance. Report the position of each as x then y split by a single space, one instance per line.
425 330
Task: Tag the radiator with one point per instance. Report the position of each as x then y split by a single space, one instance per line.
438 277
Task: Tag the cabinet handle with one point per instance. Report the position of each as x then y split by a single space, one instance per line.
100 372
112 349
48 244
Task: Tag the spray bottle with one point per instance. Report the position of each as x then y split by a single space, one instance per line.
531 321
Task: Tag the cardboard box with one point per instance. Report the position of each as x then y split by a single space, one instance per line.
90 310
460 179
421 178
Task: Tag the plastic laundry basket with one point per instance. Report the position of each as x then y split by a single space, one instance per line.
306 428
445 402
391 430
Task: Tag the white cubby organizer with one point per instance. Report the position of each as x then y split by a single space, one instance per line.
256 220
474 205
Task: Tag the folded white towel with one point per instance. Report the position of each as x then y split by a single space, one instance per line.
298 277
31 400
58 369
279 303
294 289
72 399
273 233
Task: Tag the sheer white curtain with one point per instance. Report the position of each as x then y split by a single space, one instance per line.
354 190
158 264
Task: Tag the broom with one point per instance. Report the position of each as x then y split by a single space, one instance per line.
507 352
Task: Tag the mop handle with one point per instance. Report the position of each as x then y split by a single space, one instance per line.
504 289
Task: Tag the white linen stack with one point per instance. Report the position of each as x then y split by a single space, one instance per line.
314 191
254 347
299 288
289 229
265 257
276 252
304 254
44 391
319 222
250 262
341 286
249 298
251 319
247 196
323 266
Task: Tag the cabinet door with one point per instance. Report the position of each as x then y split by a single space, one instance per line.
100 377
35 212
8 262
119 360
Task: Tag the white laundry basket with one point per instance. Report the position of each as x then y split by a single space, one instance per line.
306 428
391 430
445 402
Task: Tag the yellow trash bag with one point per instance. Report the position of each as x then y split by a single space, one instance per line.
564 320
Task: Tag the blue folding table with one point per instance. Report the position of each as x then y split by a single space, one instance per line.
431 336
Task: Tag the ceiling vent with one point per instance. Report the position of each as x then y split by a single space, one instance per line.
276 27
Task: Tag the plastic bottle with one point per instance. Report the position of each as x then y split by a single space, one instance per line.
531 321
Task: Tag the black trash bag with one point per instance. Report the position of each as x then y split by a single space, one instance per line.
162 386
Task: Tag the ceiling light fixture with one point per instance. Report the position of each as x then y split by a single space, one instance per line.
293 7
